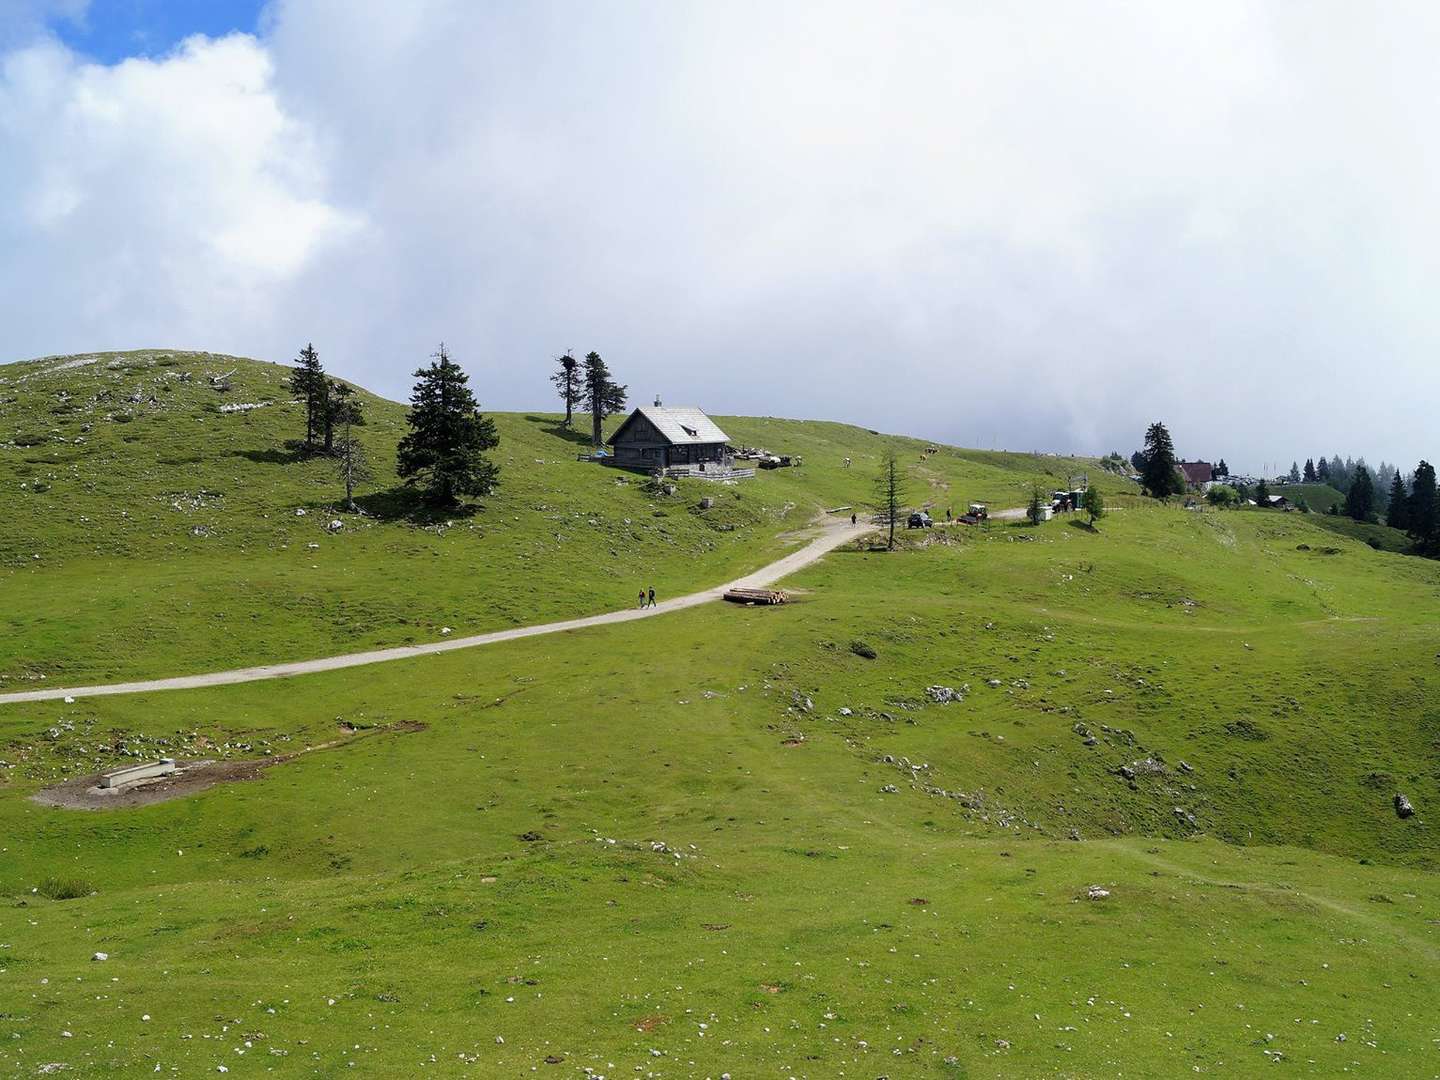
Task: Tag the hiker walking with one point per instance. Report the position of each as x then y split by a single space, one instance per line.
642 597
852 520
652 595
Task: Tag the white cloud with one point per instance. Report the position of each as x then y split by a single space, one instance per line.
153 201
1042 225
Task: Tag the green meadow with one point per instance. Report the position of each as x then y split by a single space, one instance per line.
1150 834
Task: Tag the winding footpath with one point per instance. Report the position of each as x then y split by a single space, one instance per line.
832 535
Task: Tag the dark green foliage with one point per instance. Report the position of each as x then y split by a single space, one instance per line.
1309 473
1159 475
1397 514
1294 476
1423 511
1262 493
863 650
567 383
444 451
1322 470
1035 509
1093 504
308 384
345 414
603 395
1222 470
1222 495
1137 460
889 496
1360 499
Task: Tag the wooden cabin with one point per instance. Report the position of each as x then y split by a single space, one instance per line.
658 437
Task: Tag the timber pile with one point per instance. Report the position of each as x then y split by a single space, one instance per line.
756 596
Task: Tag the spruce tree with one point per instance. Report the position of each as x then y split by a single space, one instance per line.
352 463
1294 476
1309 473
1222 470
308 384
1360 499
567 384
1397 514
1159 477
889 496
602 394
444 451
1424 513
1322 470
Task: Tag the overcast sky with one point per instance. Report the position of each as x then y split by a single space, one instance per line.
1034 226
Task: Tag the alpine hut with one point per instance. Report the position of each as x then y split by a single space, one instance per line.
659 438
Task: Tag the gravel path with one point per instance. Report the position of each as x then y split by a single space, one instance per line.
832 534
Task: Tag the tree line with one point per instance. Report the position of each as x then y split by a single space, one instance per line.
445 453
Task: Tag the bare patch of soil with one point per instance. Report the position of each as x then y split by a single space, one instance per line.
191 778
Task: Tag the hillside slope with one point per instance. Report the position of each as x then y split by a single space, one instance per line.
730 840
152 524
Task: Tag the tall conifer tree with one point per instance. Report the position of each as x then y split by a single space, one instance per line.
444 451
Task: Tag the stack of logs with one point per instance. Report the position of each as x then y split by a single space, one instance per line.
756 596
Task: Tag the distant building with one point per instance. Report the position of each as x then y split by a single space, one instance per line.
659 437
1277 502
1197 474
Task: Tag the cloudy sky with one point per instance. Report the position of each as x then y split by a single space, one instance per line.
1033 226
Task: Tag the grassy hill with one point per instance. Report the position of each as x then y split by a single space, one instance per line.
151 524
1318 497
752 841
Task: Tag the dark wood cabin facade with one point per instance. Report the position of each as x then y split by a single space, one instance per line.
657 438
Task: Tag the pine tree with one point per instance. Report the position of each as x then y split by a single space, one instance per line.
1222 470
1035 511
1397 514
308 384
1360 499
1339 478
1159 477
444 451
1294 472
889 497
353 465
567 384
603 395
1262 493
1322 470
1309 473
1423 512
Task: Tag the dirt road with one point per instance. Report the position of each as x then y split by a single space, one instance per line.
831 534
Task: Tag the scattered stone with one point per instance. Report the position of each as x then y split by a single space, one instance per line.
1096 892
335 525
100 956
943 695
446 630
1403 808
994 684
845 711
300 511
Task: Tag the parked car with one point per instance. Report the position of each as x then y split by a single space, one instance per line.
921 520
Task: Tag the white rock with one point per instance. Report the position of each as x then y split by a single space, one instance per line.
101 956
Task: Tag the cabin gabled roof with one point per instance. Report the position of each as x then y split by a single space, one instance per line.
679 425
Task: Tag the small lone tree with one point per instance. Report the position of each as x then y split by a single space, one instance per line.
889 496
1160 477
1036 510
1360 499
353 465
603 395
1262 493
308 384
1093 503
567 384
444 451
